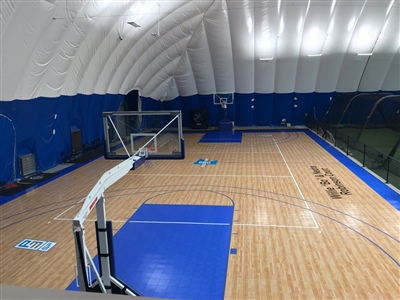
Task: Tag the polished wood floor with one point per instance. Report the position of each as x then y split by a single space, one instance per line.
296 237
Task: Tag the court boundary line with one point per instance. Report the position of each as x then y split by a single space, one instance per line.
275 225
235 152
200 223
243 193
295 182
71 207
208 175
89 220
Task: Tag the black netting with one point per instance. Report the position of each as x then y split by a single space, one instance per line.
366 126
372 119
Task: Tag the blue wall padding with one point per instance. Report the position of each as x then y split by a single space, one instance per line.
282 108
231 111
7 138
243 108
207 102
321 103
188 104
269 109
34 120
43 127
175 104
149 104
263 109
304 106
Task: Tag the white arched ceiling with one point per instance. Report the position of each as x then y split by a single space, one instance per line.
182 48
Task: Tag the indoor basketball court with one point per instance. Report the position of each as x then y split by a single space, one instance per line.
213 150
280 214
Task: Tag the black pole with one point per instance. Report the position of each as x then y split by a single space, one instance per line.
388 168
364 155
81 264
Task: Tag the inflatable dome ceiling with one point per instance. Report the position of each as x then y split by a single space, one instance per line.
167 49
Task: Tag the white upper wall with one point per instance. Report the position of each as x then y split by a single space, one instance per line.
59 47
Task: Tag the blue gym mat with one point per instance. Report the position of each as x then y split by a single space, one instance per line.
222 137
175 251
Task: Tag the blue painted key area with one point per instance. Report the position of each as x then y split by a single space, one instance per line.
175 251
222 137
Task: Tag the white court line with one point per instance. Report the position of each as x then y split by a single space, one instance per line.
199 223
192 153
72 206
90 220
207 175
181 223
298 188
274 225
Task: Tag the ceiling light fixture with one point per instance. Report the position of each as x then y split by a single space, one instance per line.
364 54
266 58
314 55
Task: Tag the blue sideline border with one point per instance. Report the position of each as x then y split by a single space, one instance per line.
378 186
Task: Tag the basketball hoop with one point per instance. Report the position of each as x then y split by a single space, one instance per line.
228 98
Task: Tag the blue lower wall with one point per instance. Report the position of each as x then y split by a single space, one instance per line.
250 109
43 125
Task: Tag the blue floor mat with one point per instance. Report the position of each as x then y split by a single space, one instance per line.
222 137
175 251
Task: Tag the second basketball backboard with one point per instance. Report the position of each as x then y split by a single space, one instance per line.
227 98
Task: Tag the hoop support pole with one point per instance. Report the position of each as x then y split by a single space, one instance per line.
104 253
